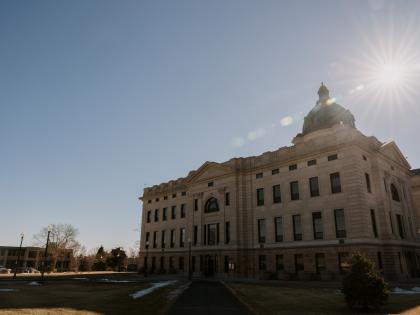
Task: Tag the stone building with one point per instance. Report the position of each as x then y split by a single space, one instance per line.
296 212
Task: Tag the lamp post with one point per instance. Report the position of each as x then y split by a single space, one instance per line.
147 259
18 260
46 253
189 259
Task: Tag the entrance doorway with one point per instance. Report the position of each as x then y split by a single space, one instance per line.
210 265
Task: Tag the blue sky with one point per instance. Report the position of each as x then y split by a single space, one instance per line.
100 98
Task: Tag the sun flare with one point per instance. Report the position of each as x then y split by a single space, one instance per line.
391 75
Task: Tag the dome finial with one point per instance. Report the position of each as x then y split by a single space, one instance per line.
323 92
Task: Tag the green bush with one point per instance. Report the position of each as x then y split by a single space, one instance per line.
364 287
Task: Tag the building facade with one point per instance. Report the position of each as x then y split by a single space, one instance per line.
296 212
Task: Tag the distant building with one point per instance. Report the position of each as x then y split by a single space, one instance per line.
297 212
33 257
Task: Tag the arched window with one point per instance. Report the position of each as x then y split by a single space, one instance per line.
212 205
394 193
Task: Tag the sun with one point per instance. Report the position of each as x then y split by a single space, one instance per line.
391 75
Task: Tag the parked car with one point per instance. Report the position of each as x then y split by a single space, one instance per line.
4 270
31 270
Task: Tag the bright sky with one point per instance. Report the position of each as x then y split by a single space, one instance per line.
100 98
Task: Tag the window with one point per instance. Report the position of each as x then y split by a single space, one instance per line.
172 238
212 231
173 212
261 231
262 262
299 266
227 199
183 210
368 187
192 263
317 225
184 193
373 221
311 162
173 195
391 223
147 238
227 232
335 183
294 190
276 194
260 196
278 227
156 215
400 224
279 263
340 224
364 157
181 263
162 239
149 201
171 263
259 175
292 167
149 214
182 237
165 197
394 193
226 263
195 235
320 262
210 184
164 214
314 186
157 199
162 266
153 263
343 262
195 204
297 228
154 239
212 205
332 157
380 265
275 171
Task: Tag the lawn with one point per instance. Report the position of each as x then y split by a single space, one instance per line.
82 297
265 299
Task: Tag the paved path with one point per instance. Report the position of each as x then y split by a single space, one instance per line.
208 297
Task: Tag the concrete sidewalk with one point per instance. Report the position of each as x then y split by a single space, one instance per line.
208 297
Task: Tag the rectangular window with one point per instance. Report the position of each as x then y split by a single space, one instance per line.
184 193
335 183
226 263
205 234
260 196
173 195
182 237
259 175
147 238
156 215
332 157
162 239
343 262
183 210
340 224
157 199
391 223
172 238
297 228
320 263
227 199
317 225
149 201
211 234
299 266
294 190
368 187
193 263
311 162
275 171
314 186
210 184
278 227
165 197
373 221
181 263
154 239
261 231
149 214
227 232
195 204
262 262
279 263
292 167
173 212
400 225
195 235
276 194
380 265
164 214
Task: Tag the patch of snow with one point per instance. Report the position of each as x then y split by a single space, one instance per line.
152 288
178 291
34 283
8 290
115 281
406 292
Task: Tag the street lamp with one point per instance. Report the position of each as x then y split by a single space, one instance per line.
46 252
147 260
189 259
18 260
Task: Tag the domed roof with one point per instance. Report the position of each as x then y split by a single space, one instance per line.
326 114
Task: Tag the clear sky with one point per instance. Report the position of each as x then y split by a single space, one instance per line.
100 98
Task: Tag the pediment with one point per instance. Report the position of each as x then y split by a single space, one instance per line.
391 150
209 171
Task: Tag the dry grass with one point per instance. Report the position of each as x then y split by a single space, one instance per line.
82 298
285 300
